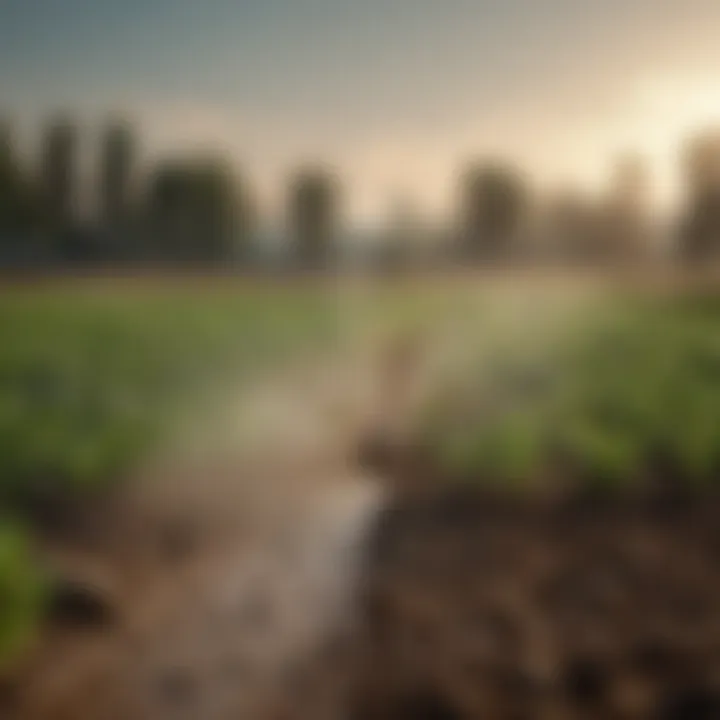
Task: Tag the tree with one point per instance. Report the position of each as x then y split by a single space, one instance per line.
10 182
58 175
17 211
166 211
117 164
221 210
314 216
493 204
197 211
700 236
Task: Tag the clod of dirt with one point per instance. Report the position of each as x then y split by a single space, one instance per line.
76 603
586 681
423 704
8 694
427 705
376 453
692 704
655 658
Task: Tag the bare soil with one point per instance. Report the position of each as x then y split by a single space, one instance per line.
448 604
478 605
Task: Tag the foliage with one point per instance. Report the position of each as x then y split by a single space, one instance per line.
21 592
628 388
92 378
314 208
88 382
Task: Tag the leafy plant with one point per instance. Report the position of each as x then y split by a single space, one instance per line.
21 592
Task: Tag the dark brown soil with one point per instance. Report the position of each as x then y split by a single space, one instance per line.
470 605
482 606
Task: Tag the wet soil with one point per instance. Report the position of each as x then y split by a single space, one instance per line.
442 603
479 605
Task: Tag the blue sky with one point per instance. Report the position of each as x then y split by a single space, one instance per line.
393 92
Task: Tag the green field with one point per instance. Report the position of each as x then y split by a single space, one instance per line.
93 376
623 391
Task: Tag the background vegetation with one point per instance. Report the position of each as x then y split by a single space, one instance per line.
610 394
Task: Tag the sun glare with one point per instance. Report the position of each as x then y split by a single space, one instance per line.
669 111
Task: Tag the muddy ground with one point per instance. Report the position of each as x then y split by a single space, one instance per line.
445 605
299 586
482 606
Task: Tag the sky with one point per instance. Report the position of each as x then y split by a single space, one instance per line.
395 95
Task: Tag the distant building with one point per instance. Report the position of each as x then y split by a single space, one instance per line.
314 217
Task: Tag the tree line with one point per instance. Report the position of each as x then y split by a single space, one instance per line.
198 209
193 208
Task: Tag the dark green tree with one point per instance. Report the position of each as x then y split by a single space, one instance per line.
314 216
221 210
10 181
494 200
58 176
166 211
116 175
17 207
700 235
197 211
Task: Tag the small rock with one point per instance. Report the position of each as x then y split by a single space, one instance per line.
586 681
81 604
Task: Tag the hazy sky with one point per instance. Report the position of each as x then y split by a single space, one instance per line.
393 93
